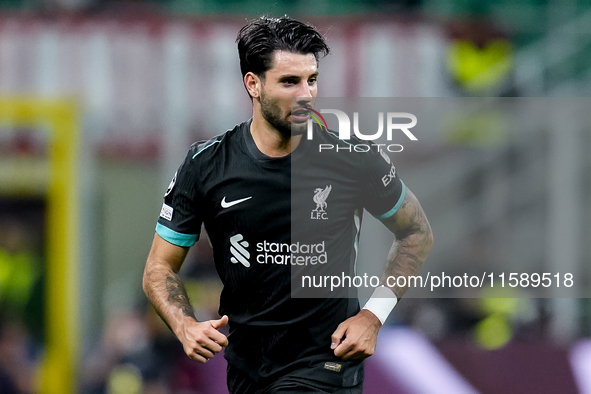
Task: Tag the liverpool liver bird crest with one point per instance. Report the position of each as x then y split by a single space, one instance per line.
320 197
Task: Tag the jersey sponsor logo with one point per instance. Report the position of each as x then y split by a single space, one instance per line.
320 196
238 249
171 185
386 179
291 254
275 253
166 212
232 203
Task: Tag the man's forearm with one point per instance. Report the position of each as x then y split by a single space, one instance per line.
406 259
164 288
167 293
414 240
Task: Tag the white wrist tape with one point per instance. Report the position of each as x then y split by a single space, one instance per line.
381 303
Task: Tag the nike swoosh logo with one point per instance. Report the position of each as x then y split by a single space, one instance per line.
232 203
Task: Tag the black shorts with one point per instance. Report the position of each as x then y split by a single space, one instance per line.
297 381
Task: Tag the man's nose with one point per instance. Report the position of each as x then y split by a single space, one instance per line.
305 91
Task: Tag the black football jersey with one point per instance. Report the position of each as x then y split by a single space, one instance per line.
270 222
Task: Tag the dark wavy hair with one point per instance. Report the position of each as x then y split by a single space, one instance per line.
261 37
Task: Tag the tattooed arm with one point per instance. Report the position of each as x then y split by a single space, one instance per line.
167 293
355 338
412 244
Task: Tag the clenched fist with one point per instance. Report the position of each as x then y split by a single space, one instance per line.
202 340
355 338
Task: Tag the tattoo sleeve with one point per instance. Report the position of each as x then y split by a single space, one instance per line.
177 295
413 243
165 290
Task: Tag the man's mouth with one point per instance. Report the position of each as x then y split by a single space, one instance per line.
300 115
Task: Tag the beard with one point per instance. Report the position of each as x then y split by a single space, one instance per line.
272 113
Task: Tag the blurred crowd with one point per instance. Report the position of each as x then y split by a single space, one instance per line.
21 321
139 354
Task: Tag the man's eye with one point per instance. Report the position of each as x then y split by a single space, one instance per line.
312 80
289 81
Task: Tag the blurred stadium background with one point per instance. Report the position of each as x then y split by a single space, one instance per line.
100 99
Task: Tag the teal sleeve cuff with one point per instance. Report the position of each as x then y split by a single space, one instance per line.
396 207
175 238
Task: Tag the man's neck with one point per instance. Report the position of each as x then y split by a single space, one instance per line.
269 140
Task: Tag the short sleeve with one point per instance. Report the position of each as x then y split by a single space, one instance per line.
382 190
180 220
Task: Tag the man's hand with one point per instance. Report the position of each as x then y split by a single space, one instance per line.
202 341
355 338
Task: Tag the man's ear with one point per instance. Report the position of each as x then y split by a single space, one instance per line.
253 84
